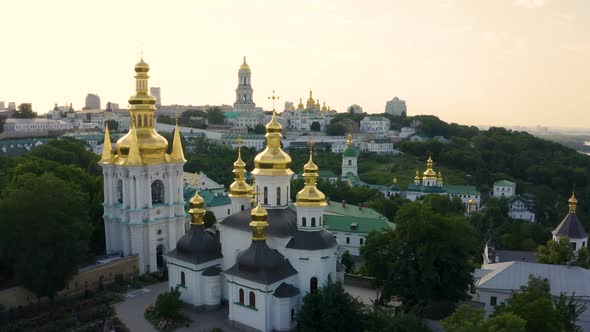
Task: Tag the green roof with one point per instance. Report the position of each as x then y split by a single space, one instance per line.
352 211
230 115
356 225
504 183
243 136
214 199
376 118
465 190
426 189
350 152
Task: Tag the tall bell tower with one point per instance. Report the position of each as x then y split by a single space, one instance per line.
143 199
244 101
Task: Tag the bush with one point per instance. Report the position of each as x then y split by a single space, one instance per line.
168 304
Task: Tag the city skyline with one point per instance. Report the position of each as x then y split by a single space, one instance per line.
520 64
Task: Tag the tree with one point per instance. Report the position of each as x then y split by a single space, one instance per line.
49 217
506 322
113 125
215 116
582 258
335 130
168 304
329 309
315 126
2 122
25 111
569 309
347 261
209 219
378 320
425 259
558 252
470 319
259 129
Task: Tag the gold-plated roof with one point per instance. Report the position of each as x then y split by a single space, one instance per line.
310 101
273 160
196 208
394 180
151 145
177 155
572 202
317 104
349 140
244 65
310 195
258 223
417 177
300 106
239 188
107 147
429 173
133 157
324 108
471 201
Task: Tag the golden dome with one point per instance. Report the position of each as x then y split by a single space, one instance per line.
417 177
310 195
394 180
273 160
310 101
572 202
142 66
239 188
258 223
300 106
244 65
196 208
317 104
324 108
349 140
471 201
429 173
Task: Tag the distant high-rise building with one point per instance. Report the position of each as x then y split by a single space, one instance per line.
396 106
2 105
11 105
92 102
156 92
244 102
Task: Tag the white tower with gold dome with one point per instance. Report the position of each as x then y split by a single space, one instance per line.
240 192
143 201
244 100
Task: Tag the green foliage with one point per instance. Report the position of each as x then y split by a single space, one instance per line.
259 129
315 126
556 252
469 319
113 125
425 259
335 130
505 322
387 206
209 219
25 111
582 258
168 304
50 218
2 122
215 116
347 261
378 320
330 308
169 136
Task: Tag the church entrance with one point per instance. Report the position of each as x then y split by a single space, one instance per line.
160 257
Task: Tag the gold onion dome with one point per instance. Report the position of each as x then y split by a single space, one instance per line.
239 188
417 177
142 133
310 101
244 65
258 223
572 202
272 160
310 195
196 208
300 106
429 172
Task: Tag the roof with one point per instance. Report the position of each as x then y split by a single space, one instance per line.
286 291
504 183
375 118
351 210
426 189
466 190
355 224
214 199
511 276
514 255
518 198
323 173
212 271
571 227
230 115
350 152
282 223
312 240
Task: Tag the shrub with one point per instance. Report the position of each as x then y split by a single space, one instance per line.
168 304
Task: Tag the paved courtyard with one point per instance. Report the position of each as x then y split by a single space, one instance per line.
131 310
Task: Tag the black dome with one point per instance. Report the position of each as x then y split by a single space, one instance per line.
260 257
198 241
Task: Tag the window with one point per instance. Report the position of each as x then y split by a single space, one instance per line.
278 195
313 284
228 212
349 162
182 280
313 222
120 191
583 243
574 246
330 277
347 240
252 299
493 300
158 192
265 196
304 222
362 241
241 294
292 314
242 207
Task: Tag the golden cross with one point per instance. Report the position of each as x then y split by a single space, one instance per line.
256 194
239 140
274 98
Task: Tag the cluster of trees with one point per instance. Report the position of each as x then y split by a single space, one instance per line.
50 200
2 122
561 252
196 118
330 308
24 111
533 309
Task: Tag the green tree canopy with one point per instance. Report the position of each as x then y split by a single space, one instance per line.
113 124
348 261
168 304
558 252
315 126
215 116
335 130
49 217
470 319
25 111
209 219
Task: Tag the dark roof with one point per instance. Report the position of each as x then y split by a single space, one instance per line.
261 264
286 291
197 246
212 271
517 198
282 223
312 240
571 227
513 255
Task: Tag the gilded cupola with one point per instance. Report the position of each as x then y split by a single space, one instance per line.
429 173
310 101
310 195
300 106
196 208
239 188
572 202
258 223
273 160
152 147
244 65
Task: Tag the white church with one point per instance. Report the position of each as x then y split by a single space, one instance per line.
261 260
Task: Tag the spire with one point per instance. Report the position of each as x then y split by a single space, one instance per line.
573 202
310 195
349 140
239 188
196 208
244 65
134 158
317 104
177 155
258 223
107 147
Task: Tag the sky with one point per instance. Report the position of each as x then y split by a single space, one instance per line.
494 62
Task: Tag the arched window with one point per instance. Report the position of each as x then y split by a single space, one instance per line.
160 257
278 195
252 299
120 191
313 222
349 162
362 241
265 194
241 299
158 192
303 222
182 280
313 284
242 207
292 314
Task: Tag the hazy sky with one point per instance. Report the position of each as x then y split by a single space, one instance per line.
470 61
